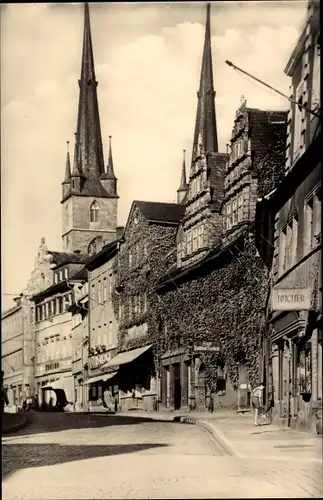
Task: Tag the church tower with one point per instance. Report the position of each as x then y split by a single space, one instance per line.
89 198
203 194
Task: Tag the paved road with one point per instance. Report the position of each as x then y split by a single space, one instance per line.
98 456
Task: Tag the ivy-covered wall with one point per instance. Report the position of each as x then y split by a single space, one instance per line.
149 244
226 305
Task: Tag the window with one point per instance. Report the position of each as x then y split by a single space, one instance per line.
54 304
308 226
305 369
60 305
94 211
234 212
99 292
93 297
144 306
316 85
228 217
121 310
195 243
66 273
55 278
201 236
61 276
104 289
282 250
240 208
67 301
189 242
288 252
49 305
298 121
317 219
130 307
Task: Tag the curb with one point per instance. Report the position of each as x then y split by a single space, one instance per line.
18 426
216 434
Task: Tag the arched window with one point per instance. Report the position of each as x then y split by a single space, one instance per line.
94 212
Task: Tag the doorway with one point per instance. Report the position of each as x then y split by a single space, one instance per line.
177 386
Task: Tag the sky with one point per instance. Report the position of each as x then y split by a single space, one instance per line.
148 59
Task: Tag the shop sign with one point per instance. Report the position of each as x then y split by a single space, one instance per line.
206 347
291 299
99 359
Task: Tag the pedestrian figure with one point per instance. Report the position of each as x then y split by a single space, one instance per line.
256 400
211 404
107 400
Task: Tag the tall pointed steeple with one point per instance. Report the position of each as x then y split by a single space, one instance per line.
205 134
90 150
108 178
183 187
67 178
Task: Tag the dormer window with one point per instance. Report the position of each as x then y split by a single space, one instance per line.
94 211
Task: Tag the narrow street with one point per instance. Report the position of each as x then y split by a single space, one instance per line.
98 456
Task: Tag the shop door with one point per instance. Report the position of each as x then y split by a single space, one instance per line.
177 386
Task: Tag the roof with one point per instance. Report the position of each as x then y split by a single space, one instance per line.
60 258
10 311
62 286
99 258
155 211
81 275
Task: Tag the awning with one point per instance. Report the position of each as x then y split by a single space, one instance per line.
128 356
58 384
104 377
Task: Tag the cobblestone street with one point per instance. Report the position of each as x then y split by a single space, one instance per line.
98 456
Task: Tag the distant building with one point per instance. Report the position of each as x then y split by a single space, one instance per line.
80 337
52 329
12 354
289 240
102 324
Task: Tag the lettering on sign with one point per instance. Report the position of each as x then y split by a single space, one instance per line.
291 299
206 347
99 360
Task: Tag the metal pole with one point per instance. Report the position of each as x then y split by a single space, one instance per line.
229 63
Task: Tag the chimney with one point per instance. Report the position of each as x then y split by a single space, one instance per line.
119 233
18 300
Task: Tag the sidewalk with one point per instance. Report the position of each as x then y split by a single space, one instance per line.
237 434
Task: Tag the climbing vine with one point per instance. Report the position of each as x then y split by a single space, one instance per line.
225 305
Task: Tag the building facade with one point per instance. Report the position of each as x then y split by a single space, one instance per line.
212 301
53 329
143 257
291 220
102 325
12 354
80 336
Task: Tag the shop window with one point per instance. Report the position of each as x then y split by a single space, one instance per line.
305 369
280 372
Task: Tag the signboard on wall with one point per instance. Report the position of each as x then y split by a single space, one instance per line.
291 299
206 347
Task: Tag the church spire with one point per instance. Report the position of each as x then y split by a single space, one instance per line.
110 170
67 178
90 150
182 190
205 135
